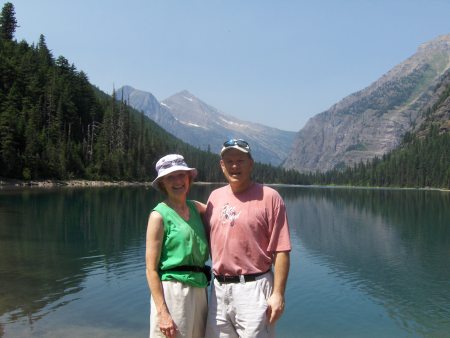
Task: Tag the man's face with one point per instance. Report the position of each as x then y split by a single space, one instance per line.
237 167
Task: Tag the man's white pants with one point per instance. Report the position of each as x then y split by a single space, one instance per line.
239 309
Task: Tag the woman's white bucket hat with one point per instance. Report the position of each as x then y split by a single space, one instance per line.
170 163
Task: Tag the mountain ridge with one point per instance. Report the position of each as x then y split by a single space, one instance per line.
372 121
206 127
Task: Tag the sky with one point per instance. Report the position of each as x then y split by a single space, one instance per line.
277 63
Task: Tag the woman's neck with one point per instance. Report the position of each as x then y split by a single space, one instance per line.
180 207
176 203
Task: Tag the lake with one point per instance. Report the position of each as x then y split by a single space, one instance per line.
364 263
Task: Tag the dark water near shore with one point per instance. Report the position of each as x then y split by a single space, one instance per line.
365 263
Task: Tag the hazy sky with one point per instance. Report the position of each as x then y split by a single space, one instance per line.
273 62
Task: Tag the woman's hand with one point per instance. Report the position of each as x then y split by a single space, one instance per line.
167 325
201 207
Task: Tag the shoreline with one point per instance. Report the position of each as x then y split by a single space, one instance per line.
16 183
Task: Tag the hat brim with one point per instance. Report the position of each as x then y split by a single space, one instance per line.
192 172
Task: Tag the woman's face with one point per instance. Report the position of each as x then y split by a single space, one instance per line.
176 183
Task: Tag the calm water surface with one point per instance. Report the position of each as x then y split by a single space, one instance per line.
365 263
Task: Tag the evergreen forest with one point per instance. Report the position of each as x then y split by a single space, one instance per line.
55 125
419 162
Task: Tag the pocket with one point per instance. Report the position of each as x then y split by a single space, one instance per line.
266 285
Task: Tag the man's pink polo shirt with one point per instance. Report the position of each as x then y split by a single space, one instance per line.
246 229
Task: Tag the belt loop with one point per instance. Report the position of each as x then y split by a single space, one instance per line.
242 279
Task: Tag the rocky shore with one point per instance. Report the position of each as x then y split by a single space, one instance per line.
6 182
14 183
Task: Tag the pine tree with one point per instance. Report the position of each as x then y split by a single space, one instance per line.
8 23
45 56
9 112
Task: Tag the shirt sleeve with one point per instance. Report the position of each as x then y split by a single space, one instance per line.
278 220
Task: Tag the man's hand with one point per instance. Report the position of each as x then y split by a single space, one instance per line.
275 307
275 302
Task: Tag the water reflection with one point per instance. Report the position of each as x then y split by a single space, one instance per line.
52 239
73 259
86 246
392 244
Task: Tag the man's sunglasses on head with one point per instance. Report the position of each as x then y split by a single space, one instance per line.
237 142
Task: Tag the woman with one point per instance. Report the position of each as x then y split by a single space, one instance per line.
176 252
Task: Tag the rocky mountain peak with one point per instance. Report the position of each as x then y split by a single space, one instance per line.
442 42
200 124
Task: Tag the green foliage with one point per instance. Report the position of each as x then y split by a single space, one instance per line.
8 23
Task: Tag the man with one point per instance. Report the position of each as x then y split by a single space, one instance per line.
249 233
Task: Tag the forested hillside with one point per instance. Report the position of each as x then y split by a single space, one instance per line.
55 125
419 162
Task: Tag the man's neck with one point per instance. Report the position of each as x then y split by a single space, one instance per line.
238 187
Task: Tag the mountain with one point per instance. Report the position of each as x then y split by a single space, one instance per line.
422 159
205 127
371 122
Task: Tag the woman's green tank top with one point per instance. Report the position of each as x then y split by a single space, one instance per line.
184 243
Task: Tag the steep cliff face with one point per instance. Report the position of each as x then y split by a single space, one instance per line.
372 121
437 110
199 124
